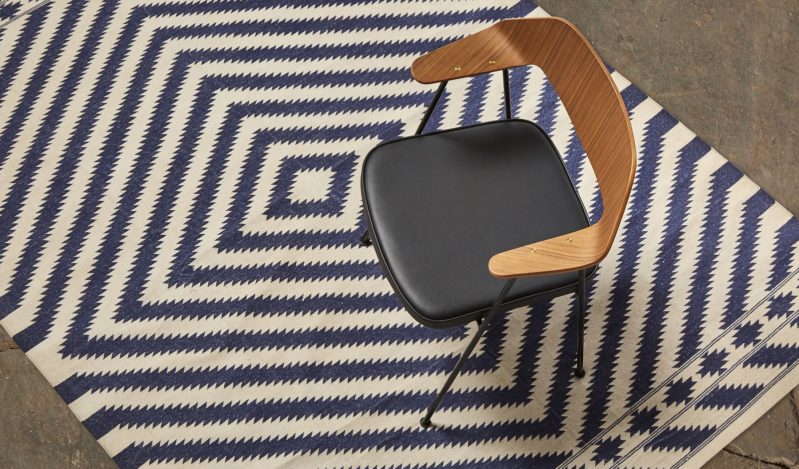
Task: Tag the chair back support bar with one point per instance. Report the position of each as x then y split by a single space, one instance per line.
596 110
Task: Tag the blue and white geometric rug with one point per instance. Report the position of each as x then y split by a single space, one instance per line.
179 224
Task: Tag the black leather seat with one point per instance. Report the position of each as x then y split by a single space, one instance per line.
441 204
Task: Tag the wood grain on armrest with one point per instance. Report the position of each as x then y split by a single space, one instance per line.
566 253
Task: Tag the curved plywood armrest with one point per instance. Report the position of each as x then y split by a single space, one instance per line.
566 253
596 110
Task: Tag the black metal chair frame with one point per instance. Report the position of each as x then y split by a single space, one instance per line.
499 304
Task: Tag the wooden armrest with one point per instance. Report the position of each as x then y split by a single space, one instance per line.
566 253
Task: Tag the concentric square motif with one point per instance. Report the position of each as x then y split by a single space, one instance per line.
311 185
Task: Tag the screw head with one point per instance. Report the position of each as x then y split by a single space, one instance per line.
457 69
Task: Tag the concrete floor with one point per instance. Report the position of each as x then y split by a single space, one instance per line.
728 70
37 429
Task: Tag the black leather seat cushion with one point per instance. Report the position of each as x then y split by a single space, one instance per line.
441 204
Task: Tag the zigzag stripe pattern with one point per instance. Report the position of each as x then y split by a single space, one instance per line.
179 226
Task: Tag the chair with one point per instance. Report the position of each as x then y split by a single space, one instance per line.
441 206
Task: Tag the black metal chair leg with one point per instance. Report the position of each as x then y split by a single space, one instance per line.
469 348
365 241
506 86
579 371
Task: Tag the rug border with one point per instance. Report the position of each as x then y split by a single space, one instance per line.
757 410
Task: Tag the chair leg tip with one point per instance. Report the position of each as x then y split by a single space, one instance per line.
365 239
425 422
579 372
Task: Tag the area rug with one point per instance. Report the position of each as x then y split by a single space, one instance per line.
179 224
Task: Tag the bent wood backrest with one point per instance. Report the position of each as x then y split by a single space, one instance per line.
596 110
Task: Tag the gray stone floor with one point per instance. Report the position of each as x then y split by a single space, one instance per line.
729 70
37 429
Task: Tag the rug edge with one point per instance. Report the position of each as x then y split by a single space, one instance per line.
752 415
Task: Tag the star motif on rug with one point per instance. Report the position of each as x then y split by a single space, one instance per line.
608 450
680 391
747 334
713 363
644 420
781 306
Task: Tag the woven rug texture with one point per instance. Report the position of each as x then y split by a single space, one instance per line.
180 213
